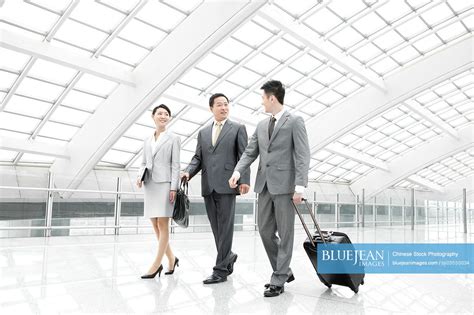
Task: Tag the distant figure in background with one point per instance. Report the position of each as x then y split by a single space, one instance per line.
219 146
161 158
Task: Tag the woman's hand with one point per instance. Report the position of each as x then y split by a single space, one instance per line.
172 195
139 183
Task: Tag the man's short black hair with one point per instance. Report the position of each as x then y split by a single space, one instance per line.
274 87
161 106
214 96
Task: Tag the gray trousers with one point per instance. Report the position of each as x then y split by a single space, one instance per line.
221 211
276 214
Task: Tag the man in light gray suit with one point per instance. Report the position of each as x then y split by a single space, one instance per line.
282 143
219 147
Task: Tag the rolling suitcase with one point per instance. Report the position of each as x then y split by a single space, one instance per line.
320 238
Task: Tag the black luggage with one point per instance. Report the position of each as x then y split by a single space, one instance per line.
310 246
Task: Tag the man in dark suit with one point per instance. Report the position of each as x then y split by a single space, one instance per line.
282 144
219 147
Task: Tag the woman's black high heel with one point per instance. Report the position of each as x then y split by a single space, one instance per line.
176 263
153 275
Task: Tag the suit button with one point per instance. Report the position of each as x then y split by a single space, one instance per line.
268 165
269 151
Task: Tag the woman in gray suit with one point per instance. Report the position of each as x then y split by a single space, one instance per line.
161 159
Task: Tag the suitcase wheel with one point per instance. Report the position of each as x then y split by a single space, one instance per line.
362 282
356 290
328 285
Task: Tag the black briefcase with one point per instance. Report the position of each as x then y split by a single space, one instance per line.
320 238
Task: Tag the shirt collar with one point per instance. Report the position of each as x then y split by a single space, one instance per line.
279 114
222 122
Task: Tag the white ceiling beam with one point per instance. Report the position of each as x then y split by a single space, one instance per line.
418 180
302 33
34 147
43 50
414 161
435 120
357 156
371 102
177 53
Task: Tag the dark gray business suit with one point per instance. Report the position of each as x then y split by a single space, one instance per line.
217 164
284 164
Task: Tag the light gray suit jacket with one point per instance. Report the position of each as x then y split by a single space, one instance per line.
284 159
163 166
217 162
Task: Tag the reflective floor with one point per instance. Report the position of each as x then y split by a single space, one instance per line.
100 274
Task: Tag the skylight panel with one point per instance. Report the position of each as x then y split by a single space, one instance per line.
394 10
96 15
122 5
126 52
80 35
57 130
17 122
82 101
30 16
183 127
244 77
306 64
281 50
366 52
70 116
452 31
184 5
361 144
12 60
346 38
142 34
323 21
6 80
95 85
412 27
330 97
347 87
287 76
262 64
39 89
215 64
52 72
117 157
139 132
7 156
252 34
346 9
127 144
309 87
197 78
405 55
427 43
437 14
198 116
296 8
231 90
327 76
28 106
232 49
384 66
388 40
369 24
161 15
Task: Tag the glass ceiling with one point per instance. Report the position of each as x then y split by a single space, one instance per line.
51 102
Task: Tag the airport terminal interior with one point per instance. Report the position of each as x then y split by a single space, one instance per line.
385 89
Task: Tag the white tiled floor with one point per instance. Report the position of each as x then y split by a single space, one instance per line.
100 274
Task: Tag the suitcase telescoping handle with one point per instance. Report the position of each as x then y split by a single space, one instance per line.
310 237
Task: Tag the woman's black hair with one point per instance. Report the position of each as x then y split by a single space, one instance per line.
166 108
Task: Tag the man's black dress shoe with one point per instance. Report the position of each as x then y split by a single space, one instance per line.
290 278
273 290
214 279
230 267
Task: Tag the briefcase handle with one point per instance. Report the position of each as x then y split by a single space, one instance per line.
184 185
